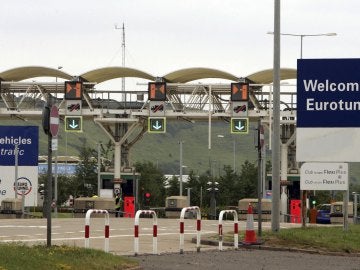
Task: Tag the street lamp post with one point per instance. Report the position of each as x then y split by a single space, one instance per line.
302 37
276 112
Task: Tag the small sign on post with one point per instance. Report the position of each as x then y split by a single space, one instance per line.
54 120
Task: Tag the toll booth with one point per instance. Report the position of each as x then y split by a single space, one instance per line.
295 211
174 205
11 208
265 208
127 183
83 204
337 212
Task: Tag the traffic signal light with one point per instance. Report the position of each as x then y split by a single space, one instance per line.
312 200
147 196
41 190
46 119
239 91
73 90
157 91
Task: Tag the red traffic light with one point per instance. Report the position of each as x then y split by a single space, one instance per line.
147 195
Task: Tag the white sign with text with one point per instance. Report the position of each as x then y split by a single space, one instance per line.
324 176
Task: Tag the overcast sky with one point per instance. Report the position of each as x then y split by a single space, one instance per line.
167 35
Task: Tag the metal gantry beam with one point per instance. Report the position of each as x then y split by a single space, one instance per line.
26 100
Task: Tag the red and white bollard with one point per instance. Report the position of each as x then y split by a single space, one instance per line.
198 227
136 230
87 227
236 230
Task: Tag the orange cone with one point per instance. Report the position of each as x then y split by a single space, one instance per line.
250 236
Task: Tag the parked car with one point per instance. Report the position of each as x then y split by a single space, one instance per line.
323 214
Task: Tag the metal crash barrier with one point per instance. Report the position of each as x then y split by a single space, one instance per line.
198 227
136 230
87 227
236 230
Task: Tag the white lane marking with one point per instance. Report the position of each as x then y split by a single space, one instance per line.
98 237
26 226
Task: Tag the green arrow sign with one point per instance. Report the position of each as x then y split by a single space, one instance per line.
240 125
73 123
156 124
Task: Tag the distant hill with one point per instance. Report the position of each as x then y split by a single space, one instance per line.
164 151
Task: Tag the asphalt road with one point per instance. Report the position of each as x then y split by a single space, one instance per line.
71 232
247 259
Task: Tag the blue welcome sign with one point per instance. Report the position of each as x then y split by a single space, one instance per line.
328 93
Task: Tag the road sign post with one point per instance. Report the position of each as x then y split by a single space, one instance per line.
54 120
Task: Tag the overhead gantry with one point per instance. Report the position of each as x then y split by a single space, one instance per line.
123 115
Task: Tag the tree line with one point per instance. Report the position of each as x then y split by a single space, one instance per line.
227 186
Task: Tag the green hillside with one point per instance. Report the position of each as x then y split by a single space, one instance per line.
164 149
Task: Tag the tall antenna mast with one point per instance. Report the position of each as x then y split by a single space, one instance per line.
123 59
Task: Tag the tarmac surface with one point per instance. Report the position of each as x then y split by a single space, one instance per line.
71 231
249 259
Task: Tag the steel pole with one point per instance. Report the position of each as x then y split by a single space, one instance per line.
275 211
16 169
49 191
234 149
181 171
99 169
355 208
259 148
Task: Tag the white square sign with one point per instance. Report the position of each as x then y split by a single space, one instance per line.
324 176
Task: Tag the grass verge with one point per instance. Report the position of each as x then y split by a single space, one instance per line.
333 239
18 256
327 238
